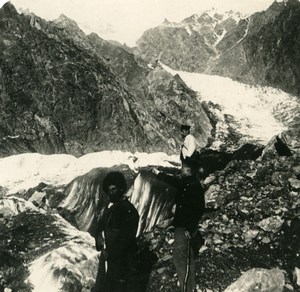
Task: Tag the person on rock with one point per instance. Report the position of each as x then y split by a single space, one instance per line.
116 239
188 148
190 206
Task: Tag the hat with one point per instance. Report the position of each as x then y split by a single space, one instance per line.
185 128
114 178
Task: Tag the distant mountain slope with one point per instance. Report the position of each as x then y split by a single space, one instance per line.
62 93
260 49
187 45
268 53
160 101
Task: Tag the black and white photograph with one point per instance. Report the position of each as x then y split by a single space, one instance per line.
150 146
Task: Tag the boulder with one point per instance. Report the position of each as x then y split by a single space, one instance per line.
259 280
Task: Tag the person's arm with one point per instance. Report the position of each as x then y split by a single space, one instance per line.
99 239
169 179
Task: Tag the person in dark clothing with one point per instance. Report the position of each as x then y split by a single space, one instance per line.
190 206
116 239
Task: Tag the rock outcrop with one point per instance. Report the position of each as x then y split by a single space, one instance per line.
252 228
268 52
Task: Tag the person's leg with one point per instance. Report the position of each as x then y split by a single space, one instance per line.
114 281
131 274
192 278
184 261
100 278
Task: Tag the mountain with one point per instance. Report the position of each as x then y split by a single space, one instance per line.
57 97
268 53
65 92
260 49
188 45
76 93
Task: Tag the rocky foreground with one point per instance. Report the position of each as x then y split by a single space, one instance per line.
252 236
254 232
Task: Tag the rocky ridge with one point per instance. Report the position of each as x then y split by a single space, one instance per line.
58 97
188 45
80 94
267 52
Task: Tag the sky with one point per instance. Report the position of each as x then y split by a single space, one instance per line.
126 20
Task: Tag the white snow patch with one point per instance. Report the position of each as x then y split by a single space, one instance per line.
253 107
246 31
20 172
219 38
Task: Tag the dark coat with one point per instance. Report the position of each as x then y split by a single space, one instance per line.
189 199
119 224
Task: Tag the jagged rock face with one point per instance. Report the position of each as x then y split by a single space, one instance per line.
231 60
276 59
188 45
56 97
171 103
172 46
160 101
128 67
82 94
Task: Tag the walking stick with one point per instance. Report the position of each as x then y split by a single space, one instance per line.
104 247
187 265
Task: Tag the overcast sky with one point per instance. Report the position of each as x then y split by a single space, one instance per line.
126 20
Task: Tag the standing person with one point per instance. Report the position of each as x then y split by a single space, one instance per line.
188 147
116 239
190 206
